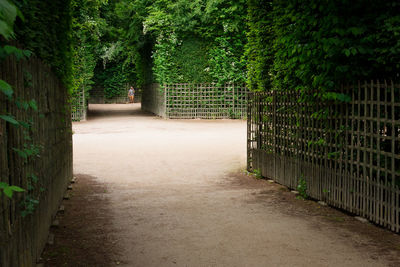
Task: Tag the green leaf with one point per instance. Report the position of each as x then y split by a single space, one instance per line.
21 153
3 185
25 105
5 30
16 188
8 192
34 178
18 53
30 187
9 49
27 53
25 124
33 105
356 31
6 89
344 98
8 14
10 119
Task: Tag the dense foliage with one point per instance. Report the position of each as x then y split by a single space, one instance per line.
109 72
46 30
113 43
108 46
259 52
28 149
112 79
290 45
198 41
120 42
315 45
8 14
86 25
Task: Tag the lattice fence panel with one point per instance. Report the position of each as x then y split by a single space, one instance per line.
348 154
205 101
78 107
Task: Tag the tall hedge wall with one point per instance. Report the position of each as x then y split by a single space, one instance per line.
309 45
46 30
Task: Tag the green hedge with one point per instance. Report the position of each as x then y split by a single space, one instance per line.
112 79
197 41
316 45
46 30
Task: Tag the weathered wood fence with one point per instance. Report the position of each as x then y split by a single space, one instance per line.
23 238
192 101
78 107
349 157
153 100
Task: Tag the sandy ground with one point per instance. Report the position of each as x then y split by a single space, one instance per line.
178 196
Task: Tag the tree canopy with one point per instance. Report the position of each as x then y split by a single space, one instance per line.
140 42
273 44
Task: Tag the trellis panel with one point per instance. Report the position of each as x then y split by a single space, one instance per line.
78 107
205 101
350 158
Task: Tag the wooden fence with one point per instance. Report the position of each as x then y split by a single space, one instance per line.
205 101
23 238
153 99
78 107
348 154
196 101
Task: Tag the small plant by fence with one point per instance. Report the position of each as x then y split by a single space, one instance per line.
349 159
192 101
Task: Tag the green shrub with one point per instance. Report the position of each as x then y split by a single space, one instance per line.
314 46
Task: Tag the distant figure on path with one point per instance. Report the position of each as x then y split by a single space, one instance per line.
131 94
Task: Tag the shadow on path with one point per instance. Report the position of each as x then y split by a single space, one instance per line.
173 193
84 236
98 111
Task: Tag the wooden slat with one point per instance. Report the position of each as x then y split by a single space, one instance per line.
205 101
32 80
354 168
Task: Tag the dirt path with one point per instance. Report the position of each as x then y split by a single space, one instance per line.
178 197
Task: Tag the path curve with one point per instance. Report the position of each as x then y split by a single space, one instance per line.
179 197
